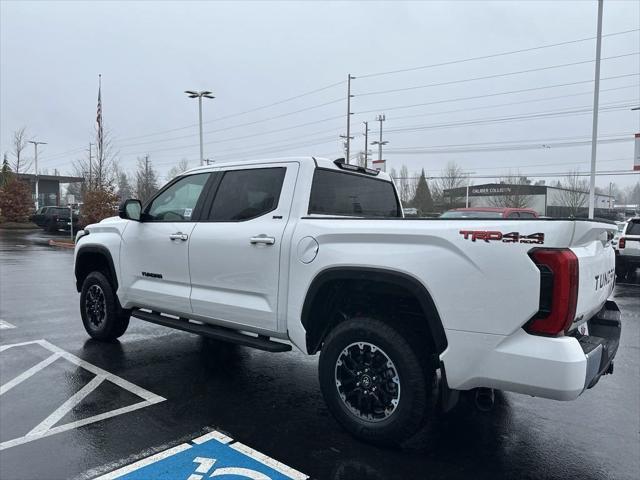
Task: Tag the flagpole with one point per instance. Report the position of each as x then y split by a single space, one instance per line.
99 145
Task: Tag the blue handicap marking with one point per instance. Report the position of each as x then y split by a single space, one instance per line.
206 458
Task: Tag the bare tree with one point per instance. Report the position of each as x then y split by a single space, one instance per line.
513 193
405 184
182 166
574 193
104 167
451 177
19 143
97 173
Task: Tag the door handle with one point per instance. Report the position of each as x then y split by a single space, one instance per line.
262 239
179 236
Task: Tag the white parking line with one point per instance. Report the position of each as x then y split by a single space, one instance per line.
28 373
46 427
211 455
268 461
66 407
4 324
144 462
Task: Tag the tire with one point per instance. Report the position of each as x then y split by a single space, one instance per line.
51 227
102 316
399 409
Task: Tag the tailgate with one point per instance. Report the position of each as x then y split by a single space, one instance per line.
592 245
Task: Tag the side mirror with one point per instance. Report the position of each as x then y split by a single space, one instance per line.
130 209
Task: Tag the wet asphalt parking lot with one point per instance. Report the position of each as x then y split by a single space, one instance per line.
74 408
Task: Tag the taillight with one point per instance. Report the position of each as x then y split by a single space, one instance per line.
559 277
622 242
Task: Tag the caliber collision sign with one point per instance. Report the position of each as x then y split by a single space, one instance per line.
636 153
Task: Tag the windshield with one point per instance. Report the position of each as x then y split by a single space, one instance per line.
470 214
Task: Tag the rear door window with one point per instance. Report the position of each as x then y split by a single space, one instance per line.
633 228
346 194
246 194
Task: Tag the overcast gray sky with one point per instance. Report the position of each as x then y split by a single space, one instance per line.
252 54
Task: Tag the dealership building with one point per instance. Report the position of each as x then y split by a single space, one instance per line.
546 200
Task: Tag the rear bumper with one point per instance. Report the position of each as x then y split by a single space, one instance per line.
601 345
558 368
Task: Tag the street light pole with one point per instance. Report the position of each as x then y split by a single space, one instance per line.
35 144
199 95
594 133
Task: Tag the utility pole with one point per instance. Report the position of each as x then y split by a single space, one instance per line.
366 142
380 118
349 78
35 144
199 95
594 133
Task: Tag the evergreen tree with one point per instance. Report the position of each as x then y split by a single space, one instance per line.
146 180
124 186
5 173
16 202
422 199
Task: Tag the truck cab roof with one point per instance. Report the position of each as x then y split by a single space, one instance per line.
320 162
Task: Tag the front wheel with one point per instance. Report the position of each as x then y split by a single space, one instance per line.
102 316
374 381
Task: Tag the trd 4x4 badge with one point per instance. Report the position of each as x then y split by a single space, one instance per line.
495 236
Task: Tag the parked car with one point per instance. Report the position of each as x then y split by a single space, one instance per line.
316 254
488 212
628 248
614 242
54 218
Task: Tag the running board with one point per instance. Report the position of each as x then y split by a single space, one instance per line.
218 333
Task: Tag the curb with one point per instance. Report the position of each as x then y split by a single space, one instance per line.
55 243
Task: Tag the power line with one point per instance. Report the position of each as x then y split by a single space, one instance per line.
611 173
609 160
233 115
260 151
238 126
508 104
229 139
523 117
493 55
506 142
534 146
495 94
277 143
487 77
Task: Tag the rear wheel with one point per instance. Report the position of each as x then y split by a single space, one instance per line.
374 381
102 315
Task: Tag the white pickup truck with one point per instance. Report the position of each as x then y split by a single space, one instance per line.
316 253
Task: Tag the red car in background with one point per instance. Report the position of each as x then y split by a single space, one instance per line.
488 212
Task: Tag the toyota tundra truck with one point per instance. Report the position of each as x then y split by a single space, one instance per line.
315 254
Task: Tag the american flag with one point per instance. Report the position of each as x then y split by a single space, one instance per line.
99 119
